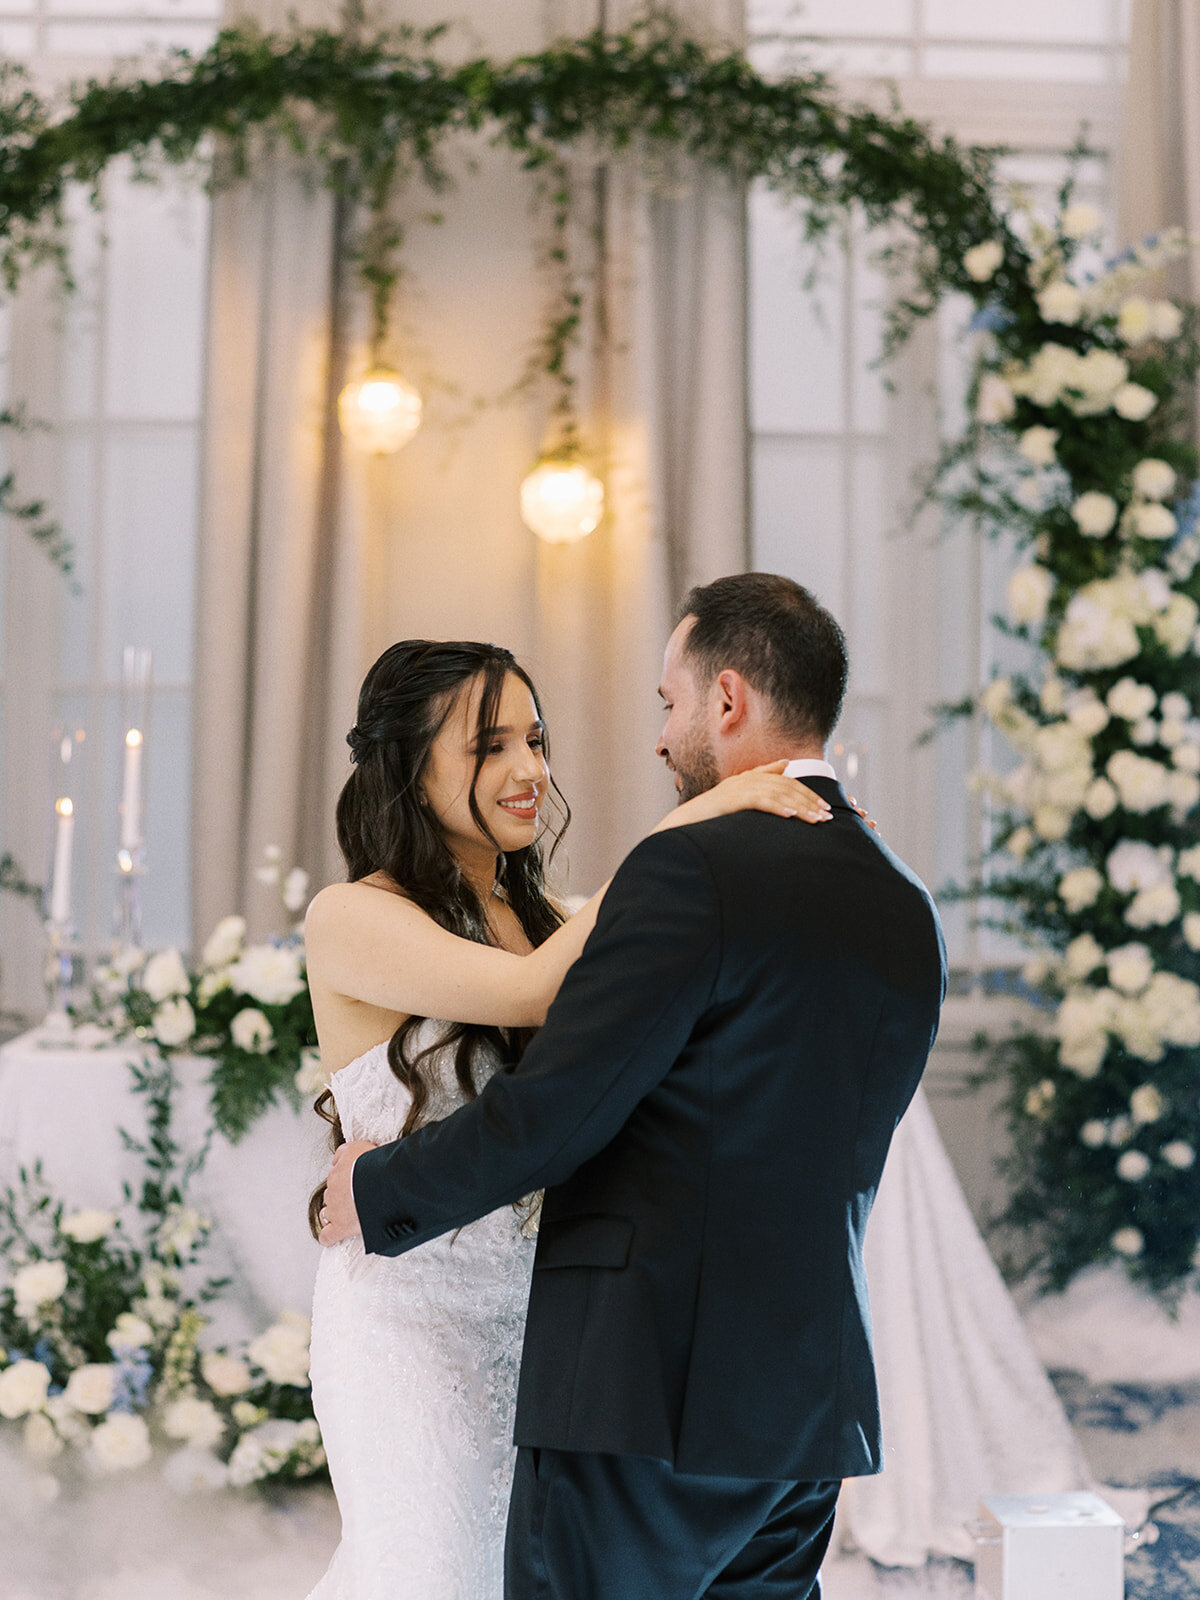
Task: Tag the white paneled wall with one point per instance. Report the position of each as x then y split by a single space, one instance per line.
836 442
116 366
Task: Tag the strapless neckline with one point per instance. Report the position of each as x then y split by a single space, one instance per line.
343 1074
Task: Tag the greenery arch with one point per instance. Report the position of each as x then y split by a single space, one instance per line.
1077 444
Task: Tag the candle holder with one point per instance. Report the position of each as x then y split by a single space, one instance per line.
63 974
127 909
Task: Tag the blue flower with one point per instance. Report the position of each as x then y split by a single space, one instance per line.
990 319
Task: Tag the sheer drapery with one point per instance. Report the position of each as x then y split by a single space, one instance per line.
313 561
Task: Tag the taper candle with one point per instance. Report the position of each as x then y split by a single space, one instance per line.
60 890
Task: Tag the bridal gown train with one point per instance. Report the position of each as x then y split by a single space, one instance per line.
414 1375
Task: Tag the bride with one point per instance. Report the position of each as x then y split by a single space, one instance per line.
445 916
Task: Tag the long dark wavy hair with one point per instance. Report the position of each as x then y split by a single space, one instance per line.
383 825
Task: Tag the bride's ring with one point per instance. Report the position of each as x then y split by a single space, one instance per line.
323 1217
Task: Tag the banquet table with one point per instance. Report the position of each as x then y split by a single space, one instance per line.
64 1100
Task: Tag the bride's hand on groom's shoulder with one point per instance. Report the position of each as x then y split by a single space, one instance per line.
339 1214
757 789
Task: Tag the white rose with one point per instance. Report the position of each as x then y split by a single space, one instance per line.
1144 732
1094 513
1175 627
122 1441
174 1022
1098 378
1186 756
1051 823
312 1077
224 942
211 983
996 698
1191 930
1173 1004
165 975
1171 731
1130 968
1133 864
1080 219
1133 320
1153 479
1100 801
41 1437
37 1285
1165 319
129 1333
1128 1241
1134 402
1083 955
1150 520
1054 368
1093 635
1188 865
1133 1165
1179 1154
994 403
1146 1104
1094 1134
1131 700
295 889
1142 784
90 1388
194 1420
1153 908
251 1031
282 1351
23 1388
1135 1027
270 974
85 1227
1120 1131
1029 591
1084 1056
1037 445
1079 888
981 260
225 1375
1176 706
1060 301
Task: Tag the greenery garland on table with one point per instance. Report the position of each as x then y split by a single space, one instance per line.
1079 446
101 1341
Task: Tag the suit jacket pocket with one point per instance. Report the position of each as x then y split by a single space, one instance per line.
584 1242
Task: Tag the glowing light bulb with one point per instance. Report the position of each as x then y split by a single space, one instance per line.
562 501
379 412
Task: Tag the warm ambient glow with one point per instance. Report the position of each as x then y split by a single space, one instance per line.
64 808
379 412
133 738
562 501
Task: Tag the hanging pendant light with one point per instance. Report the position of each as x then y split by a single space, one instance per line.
562 500
380 412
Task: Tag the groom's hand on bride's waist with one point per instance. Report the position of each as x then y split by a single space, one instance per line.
339 1215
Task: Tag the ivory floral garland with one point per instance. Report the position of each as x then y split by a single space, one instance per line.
1079 448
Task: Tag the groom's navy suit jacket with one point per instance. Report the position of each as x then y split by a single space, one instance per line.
708 1108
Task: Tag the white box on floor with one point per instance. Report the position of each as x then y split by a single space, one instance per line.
1048 1547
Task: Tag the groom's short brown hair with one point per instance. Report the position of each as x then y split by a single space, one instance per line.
782 641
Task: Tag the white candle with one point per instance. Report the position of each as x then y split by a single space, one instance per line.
60 892
131 792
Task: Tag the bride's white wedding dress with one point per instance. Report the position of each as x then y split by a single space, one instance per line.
414 1375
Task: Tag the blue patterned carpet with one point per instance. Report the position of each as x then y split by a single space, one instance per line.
1148 1436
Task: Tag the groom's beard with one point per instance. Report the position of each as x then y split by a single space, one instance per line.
697 769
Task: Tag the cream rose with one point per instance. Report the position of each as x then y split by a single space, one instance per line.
1134 402
1150 520
1153 479
1130 968
225 1375
174 1022
1153 908
282 1351
1133 320
1094 1134
1128 1241
1133 865
251 1031
36 1285
1133 1165
1165 319
23 1388
1060 301
270 974
1100 801
982 260
1191 930
994 402
1146 1104
1036 444
165 975
1079 888
1080 219
1029 591
196 1421
1131 700
129 1333
85 1227
1175 626
1179 1154
224 942
121 1442
90 1388
1083 955
1094 514
1142 784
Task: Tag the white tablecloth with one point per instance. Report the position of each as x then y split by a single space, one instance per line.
65 1106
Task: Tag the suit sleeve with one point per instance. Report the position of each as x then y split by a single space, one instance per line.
624 1013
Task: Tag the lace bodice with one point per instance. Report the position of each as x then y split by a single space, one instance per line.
414 1371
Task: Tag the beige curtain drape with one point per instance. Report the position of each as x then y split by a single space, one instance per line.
1159 166
313 561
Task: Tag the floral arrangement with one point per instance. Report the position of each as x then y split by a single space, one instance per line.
1078 447
100 1342
245 1006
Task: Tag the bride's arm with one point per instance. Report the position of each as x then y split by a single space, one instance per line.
370 945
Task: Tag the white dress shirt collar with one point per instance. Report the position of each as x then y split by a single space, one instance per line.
809 767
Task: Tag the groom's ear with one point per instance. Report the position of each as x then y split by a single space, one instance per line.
732 698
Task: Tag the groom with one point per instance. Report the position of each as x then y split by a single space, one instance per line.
708 1108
